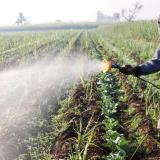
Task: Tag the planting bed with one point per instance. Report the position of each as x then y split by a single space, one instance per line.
105 116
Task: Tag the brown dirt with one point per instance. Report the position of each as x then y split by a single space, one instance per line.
88 108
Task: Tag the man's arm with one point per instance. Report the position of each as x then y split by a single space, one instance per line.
146 68
151 66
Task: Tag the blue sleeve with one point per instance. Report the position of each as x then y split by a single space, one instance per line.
151 66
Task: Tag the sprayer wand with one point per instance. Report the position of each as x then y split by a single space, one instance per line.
144 80
108 65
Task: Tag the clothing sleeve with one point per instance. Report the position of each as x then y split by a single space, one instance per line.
151 66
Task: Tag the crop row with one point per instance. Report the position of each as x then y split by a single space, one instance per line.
143 102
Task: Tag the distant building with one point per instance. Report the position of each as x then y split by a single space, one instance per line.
58 20
106 18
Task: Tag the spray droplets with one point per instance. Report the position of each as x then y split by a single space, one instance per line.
25 87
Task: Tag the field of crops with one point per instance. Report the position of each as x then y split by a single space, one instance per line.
110 116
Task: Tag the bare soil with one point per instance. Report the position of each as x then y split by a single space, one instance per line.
89 109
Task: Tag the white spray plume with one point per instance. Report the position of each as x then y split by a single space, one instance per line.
24 87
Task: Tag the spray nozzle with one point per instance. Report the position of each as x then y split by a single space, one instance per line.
108 65
114 65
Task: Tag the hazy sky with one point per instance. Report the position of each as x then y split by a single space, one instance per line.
41 11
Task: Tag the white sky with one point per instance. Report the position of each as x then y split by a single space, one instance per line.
42 11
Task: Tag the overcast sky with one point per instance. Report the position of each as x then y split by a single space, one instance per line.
42 11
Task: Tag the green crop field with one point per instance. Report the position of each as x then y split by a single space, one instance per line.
109 116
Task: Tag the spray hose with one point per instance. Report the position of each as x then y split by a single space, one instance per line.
144 80
156 86
108 65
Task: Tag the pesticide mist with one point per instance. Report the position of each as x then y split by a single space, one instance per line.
22 88
27 89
